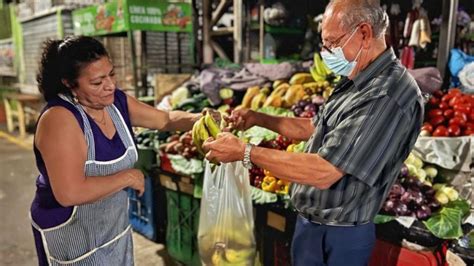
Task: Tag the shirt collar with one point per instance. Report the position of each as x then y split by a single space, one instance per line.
380 63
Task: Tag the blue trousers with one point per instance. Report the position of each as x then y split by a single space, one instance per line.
324 245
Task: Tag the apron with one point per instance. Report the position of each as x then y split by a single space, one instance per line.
97 233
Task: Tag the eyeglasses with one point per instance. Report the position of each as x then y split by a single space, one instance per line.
338 40
334 43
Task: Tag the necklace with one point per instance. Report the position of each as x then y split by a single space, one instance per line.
102 121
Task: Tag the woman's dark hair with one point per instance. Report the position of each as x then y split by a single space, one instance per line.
64 59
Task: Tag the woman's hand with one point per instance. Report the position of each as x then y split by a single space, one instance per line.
242 119
136 180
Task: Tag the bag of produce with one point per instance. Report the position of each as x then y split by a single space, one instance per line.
225 234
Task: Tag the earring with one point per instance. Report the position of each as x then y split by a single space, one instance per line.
74 98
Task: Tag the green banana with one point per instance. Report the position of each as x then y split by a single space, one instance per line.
199 134
211 125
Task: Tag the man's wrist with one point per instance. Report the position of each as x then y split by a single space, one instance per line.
247 161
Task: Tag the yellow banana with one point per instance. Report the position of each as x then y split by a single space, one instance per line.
199 134
301 78
277 83
239 257
293 95
211 125
281 90
273 100
249 95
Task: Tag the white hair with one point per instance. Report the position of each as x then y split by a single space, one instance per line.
360 11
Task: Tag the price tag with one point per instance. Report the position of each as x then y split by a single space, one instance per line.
406 221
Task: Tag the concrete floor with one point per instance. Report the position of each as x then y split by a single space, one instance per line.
17 186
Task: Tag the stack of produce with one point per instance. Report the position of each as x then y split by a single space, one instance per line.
309 107
413 193
449 114
438 206
180 145
301 86
264 179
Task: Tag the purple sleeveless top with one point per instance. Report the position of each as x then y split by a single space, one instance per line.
45 209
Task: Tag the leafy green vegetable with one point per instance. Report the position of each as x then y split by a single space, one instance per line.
269 110
255 135
446 224
300 147
470 236
459 204
381 219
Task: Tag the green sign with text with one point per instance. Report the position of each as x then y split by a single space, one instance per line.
146 15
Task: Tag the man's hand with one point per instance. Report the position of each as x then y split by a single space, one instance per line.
226 148
242 119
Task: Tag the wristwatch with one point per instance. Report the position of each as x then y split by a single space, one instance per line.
247 163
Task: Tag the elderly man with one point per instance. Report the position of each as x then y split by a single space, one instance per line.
356 144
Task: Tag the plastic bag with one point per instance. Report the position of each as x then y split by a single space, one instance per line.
226 224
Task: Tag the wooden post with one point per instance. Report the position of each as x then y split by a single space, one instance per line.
238 31
131 40
261 31
447 34
206 32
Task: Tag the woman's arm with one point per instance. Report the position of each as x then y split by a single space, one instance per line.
146 116
61 142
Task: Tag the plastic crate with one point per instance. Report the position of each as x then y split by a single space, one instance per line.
182 219
385 253
274 226
147 213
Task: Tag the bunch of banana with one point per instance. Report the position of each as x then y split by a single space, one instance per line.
301 78
319 70
204 128
249 95
276 97
227 257
277 83
259 99
293 95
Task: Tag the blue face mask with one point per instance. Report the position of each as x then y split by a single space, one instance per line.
337 62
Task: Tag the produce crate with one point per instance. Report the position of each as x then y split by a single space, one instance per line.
385 253
182 218
274 227
148 213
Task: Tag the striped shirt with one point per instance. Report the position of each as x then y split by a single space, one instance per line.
366 129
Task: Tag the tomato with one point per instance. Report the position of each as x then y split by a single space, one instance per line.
443 106
435 112
469 125
468 132
454 130
433 101
440 131
454 91
458 121
461 115
455 100
446 98
449 113
471 116
462 108
437 120
438 93
428 127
